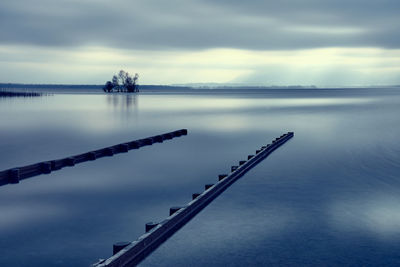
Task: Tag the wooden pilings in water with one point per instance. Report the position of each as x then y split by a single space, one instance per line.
14 175
157 233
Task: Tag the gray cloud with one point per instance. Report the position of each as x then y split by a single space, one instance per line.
201 24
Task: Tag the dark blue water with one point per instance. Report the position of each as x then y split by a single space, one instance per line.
329 196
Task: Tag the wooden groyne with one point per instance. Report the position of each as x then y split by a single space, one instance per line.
4 93
14 175
132 253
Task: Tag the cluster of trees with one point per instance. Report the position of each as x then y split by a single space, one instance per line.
122 82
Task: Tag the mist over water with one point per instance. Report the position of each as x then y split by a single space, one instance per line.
329 196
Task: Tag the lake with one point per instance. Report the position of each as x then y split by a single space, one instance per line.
330 196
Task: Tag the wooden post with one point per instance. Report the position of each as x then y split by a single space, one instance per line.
118 246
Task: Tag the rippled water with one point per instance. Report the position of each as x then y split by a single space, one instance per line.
330 195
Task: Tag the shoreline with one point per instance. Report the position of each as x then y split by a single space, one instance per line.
175 90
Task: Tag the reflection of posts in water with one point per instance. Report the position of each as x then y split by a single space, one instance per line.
123 102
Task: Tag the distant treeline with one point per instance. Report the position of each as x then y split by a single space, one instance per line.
84 86
49 86
255 87
166 88
142 87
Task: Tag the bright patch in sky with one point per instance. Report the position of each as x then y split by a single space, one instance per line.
322 67
323 43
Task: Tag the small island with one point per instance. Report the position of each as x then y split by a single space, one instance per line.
122 82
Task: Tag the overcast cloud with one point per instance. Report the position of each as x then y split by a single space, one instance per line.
196 25
202 24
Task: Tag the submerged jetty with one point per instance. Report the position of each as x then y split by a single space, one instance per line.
132 253
4 93
14 175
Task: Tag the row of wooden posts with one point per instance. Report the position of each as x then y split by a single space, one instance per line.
132 253
15 175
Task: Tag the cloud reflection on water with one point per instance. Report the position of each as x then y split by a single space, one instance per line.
16 216
314 179
375 214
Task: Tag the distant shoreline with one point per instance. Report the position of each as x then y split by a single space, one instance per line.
98 89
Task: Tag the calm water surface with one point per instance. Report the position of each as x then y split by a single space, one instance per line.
329 196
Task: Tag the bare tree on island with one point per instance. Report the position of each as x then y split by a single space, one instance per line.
122 82
108 87
115 83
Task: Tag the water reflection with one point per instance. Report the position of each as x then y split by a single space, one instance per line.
232 103
124 106
293 208
377 214
123 101
15 216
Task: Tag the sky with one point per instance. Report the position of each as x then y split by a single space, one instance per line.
287 42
